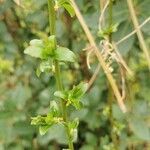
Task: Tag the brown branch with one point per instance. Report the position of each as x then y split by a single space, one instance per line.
99 57
138 31
93 78
101 18
133 32
123 63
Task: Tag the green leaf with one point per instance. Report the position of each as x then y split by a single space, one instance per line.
120 9
64 54
43 49
36 42
34 51
35 48
78 91
67 6
49 47
73 129
61 2
54 109
74 124
43 129
39 120
61 94
140 129
45 66
46 122
77 104
55 132
72 97
108 30
69 9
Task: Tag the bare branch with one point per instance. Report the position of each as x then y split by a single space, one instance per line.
102 14
100 58
123 63
138 31
93 78
133 32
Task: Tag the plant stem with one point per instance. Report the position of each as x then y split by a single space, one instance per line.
52 17
138 31
110 19
52 25
110 96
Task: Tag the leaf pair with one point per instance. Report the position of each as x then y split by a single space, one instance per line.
108 30
52 118
72 97
45 122
48 49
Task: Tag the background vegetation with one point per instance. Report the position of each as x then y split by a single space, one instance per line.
23 94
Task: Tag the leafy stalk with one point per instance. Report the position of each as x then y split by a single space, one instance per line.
52 25
51 54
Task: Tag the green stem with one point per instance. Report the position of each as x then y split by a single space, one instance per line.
111 119
52 25
52 17
110 19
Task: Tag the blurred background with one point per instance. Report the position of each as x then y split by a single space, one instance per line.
24 95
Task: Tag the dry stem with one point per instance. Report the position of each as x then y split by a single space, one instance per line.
100 58
133 32
138 31
93 78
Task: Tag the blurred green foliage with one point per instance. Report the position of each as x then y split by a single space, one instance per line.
23 94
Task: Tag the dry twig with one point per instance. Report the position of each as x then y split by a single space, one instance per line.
100 58
133 32
138 31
